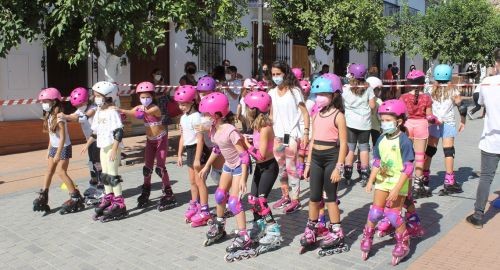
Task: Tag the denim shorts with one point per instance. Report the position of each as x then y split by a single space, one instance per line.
234 172
445 130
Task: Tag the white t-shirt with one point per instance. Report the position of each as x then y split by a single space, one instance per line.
443 109
286 113
54 136
85 122
489 96
233 103
103 125
357 108
243 107
188 123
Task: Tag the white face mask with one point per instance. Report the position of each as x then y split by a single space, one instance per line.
46 107
388 127
207 121
146 101
99 101
157 77
228 77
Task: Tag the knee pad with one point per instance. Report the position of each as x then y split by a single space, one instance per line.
146 171
159 171
93 174
449 152
364 147
430 151
221 196
234 205
394 216
253 201
115 180
376 214
351 146
263 207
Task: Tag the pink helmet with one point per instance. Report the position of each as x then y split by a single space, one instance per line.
250 83
259 100
261 86
358 71
214 103
305 85
298 73
49 93
206 83
185 93
145 87
336 82
414 74
393 106
78 96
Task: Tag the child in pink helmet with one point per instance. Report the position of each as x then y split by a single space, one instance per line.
249 85
393 158
197 152
156 146
58 153
228 143
84 114
260 147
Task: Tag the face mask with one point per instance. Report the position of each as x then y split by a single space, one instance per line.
228 77
99 101
46 107
207 121
278 80
322 101
157 77
388 127
146 101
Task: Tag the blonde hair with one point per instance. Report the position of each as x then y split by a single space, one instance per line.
52 116
257 120
441 93
358 87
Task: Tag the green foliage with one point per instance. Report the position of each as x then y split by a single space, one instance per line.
74 26
343 23
405 32
459 31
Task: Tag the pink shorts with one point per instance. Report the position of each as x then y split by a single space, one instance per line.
417 129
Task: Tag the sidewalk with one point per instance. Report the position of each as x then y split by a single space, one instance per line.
148 239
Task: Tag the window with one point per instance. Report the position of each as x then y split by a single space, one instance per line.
282 48
212 52
390 9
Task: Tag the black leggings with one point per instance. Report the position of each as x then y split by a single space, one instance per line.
323 163
475 97
264 177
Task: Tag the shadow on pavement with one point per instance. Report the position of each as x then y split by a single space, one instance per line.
492 210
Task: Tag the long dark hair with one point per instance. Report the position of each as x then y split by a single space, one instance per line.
289 80
52 117
419 81
219 73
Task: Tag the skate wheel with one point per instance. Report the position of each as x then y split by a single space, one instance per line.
206 243
364 255
228 259
395 260
187 220
345 248
321 253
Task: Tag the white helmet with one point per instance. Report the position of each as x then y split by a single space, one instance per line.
200 74
106 89
374 82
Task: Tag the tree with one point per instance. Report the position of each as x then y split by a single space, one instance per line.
459 31
406 30
111 29
341 23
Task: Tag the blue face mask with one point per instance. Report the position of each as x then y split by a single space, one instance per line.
278 80
388 127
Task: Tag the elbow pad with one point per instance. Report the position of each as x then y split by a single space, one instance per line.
408 168
433 119
254 152
462 109
245 158
216 150
118 134
139 114
376 163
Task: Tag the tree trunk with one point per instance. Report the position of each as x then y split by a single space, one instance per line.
311 54
110 63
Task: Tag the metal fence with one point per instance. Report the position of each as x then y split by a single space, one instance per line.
212 52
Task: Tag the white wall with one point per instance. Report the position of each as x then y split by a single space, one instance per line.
359 57
242 59
21 76
178 55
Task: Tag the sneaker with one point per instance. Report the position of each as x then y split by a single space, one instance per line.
292 207
284 201
478 224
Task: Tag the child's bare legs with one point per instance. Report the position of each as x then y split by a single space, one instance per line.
194 188
62 172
